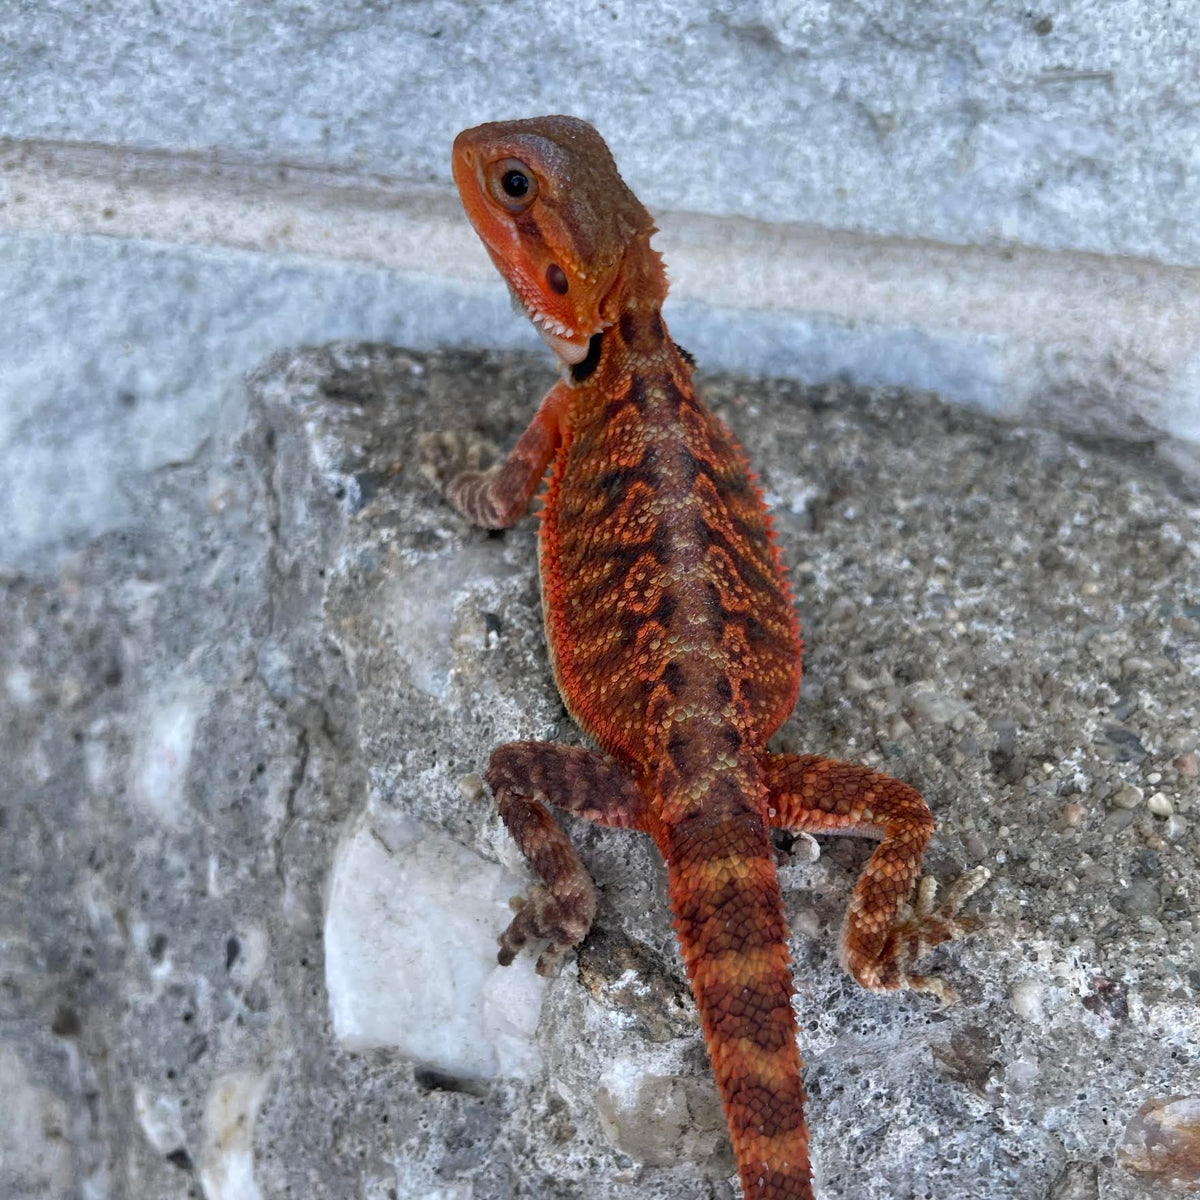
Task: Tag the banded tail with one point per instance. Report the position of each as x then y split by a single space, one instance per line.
729 918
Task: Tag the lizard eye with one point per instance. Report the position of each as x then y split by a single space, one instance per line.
556 277
513 184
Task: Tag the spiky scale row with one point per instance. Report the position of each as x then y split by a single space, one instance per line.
674 643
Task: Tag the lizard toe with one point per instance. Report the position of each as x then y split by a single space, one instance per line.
445 455
922 926
562 922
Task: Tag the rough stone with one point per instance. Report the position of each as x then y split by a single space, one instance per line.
286 636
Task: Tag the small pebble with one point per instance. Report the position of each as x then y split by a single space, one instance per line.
856 682
470 787
975 846
806 848
1160 804
1176 827
1188 764
1130 796
806 923
1117 820
220 496
1073 814
1162 1142
1022 1074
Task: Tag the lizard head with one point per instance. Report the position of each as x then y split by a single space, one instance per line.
545 197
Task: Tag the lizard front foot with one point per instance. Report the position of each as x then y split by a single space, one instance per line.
446 456
920 926
562 922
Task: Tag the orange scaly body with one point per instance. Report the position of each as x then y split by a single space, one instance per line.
674 643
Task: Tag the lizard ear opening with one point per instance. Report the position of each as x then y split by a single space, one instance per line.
512 184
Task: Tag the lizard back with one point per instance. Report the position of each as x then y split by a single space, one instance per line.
661 585
675 645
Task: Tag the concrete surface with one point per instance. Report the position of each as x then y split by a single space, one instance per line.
282 640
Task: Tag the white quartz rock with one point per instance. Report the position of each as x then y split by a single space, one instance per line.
411 924
227 1160
163 752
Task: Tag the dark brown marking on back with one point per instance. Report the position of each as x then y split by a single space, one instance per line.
636 396
766 580
666 608
691 468
678 747
673 676
615 481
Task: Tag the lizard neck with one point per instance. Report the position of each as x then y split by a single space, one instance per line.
634 341
641 283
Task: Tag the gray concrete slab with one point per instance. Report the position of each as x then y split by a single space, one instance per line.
284 633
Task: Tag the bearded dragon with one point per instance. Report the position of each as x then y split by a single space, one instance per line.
674 642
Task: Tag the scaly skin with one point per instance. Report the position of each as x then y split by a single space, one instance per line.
674 643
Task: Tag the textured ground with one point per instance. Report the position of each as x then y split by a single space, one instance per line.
289 650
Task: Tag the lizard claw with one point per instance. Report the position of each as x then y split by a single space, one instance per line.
921 926
444 456
562 922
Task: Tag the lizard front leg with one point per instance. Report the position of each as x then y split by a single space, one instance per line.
584 783
499 496
888 928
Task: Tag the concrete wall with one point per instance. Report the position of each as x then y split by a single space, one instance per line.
1071 127
996 204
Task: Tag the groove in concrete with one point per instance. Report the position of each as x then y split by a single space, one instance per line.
1102 344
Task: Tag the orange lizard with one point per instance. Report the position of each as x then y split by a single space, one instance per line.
674 643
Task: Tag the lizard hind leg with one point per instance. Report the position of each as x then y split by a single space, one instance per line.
893 919
559 910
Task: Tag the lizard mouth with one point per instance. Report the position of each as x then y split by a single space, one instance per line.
570 345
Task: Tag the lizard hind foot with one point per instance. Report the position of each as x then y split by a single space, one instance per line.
561 922
922 925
